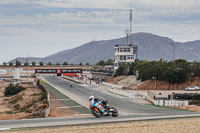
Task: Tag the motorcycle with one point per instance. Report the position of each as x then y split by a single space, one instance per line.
111 111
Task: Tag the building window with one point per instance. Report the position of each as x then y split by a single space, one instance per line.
116 65
130 57
122 57
126 49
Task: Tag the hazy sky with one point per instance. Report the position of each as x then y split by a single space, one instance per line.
39 28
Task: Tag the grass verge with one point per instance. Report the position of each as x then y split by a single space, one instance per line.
68 103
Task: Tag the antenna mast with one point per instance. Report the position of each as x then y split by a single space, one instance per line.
131 21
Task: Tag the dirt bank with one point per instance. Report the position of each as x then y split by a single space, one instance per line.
163 85
26 104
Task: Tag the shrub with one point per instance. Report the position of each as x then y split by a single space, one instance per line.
33 63
120 71
13 90
43 96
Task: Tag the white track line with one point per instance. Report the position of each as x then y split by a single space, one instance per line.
1 129
69 107
61 99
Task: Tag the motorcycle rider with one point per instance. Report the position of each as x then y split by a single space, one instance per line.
95 102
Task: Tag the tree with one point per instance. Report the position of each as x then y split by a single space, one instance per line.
26 64
109 62
120 71
101 63
87 64
57 64
65 63
18 63
41 64
4 63
10 64
33 63
80 64
195 68
50 64
132 69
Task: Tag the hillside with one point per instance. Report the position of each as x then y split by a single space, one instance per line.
151 47
23 60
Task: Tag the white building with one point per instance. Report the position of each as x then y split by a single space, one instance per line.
124 54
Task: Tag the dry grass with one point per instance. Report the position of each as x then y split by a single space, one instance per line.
21 105
186 125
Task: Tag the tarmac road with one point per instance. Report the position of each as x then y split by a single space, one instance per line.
124 106
128 110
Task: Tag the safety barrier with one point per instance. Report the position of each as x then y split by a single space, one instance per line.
171 103
123 93
112 85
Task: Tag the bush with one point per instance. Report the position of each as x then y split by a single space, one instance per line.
120 71
13 90
43 96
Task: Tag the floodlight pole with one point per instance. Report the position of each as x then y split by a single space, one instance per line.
174 53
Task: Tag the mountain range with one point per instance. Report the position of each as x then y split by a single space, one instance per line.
150 47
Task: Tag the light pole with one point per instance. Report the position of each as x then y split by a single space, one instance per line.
174 53
154 78
127 32
137 74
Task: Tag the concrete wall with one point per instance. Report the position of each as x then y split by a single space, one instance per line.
167 103
46 111
112 85
171 103
119 92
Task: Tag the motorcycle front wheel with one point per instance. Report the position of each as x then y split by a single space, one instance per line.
96 113
115 112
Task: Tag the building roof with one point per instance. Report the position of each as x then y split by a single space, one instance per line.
123 45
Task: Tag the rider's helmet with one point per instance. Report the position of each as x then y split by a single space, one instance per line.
91 98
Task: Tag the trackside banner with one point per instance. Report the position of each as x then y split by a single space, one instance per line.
46 71
71 70
58 71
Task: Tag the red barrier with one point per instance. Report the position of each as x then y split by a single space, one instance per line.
70 74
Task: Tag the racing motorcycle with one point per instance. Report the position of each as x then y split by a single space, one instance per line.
111 111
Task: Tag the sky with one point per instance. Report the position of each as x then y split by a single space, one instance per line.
38 28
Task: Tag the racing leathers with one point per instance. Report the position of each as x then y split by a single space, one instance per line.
99 104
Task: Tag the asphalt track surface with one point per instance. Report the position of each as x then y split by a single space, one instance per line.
125 106
128 110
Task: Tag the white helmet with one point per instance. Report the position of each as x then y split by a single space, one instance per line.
91 98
